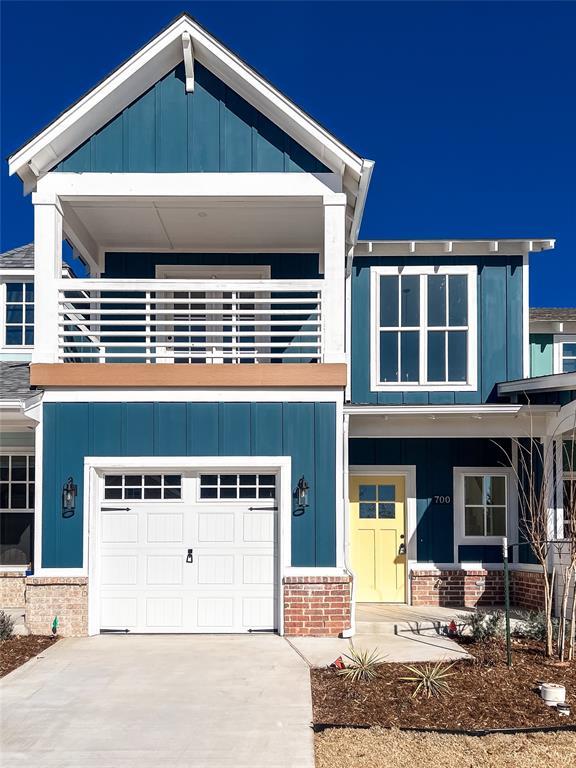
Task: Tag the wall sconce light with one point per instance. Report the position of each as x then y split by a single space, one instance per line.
69 491
302 489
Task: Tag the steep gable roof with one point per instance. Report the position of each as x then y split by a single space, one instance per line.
151 63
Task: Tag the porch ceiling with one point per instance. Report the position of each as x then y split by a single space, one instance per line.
191 223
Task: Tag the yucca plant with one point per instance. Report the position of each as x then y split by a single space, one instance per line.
430 679
362 666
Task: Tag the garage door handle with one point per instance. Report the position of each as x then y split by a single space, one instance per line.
190 556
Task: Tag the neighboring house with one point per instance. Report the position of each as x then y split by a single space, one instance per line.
246 418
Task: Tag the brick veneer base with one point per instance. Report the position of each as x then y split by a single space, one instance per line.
527 590
476 588
12 589
316 605
65 597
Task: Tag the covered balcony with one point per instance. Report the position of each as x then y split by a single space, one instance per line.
192 272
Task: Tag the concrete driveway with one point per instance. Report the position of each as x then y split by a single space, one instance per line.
149 701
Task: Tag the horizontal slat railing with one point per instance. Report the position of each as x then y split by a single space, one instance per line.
190 321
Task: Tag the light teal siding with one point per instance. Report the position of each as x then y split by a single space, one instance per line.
210 130
499 299
541 354
304 431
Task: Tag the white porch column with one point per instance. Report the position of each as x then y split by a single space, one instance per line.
47 270
333 295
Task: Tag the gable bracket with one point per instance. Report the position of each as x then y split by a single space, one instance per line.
188 51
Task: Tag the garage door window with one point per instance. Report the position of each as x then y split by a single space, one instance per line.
142 487
233 486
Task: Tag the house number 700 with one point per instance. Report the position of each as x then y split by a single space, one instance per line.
442 499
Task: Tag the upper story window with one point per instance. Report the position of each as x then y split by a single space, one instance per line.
18 313
424 326
565 354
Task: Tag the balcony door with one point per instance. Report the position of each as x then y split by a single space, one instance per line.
215 326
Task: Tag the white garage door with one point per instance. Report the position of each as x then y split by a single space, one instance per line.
188 552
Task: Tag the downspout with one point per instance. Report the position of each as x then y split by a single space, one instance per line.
351 630
365 176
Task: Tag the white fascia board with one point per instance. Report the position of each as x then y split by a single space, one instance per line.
145 68
221 186
490 426
365 176
457 247
554 382
16 272
445 410
149 395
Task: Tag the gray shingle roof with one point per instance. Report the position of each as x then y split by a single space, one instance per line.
553 314
14 380
18 258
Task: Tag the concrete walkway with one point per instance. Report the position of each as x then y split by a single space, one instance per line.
148 701
398 633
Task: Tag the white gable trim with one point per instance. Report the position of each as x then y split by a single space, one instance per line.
144 69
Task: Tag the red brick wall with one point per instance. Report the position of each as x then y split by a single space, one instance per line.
527 590
316 605
476 588
457 588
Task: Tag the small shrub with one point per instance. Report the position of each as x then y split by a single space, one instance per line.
362 666
6 626
484 626
430 679
532 626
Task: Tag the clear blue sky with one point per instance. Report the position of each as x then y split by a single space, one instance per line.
468 109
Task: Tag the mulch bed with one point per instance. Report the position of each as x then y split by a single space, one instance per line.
17 650
484 694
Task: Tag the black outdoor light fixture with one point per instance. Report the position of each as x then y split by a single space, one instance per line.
69 491
302 489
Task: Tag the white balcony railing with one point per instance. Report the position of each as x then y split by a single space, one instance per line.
190 321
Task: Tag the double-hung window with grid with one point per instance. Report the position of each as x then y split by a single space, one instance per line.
423 328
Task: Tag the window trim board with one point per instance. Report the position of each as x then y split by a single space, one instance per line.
9 277
460 539
471 383
559 340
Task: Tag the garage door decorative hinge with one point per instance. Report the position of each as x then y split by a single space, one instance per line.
116 509
262 509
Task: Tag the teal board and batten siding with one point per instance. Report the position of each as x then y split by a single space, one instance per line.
304 431
211 130
435 460
283 266
499 297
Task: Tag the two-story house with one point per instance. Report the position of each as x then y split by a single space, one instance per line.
243 418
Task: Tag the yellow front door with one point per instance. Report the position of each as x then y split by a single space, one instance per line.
377 509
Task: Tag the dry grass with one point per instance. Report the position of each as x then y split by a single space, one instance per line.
381 748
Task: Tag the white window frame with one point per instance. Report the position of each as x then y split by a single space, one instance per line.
5 278
460 538
18 451
234 501
124 499
471 383
559 341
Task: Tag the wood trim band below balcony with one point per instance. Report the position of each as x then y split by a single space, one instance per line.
91 375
